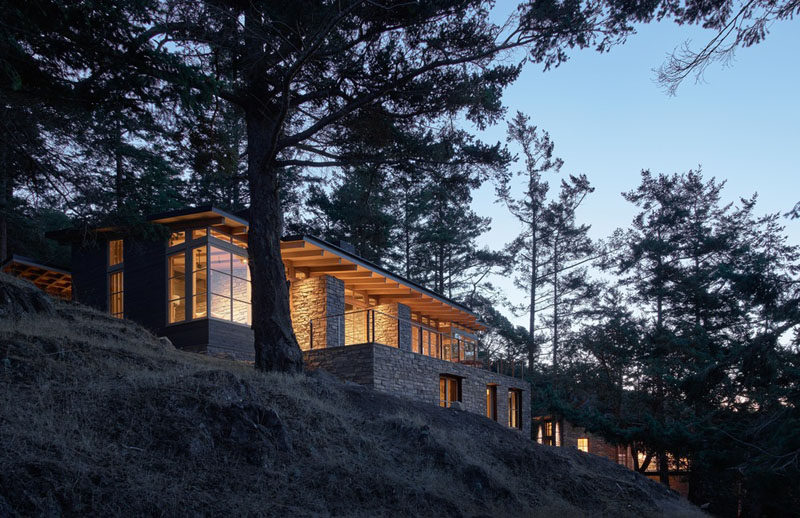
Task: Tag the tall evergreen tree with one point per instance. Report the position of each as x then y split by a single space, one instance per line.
529 208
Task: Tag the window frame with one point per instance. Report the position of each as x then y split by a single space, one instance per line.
117 268
491 401
515 418
447 381
585 447
201 237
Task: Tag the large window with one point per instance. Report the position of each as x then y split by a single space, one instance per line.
215 283
115 294
199 282
229 285
515 408
449 390
491 402
176 264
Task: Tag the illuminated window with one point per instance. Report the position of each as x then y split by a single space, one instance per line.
115 252
515 408
199 232
115 294
229 286
176 304
219 235
199 283
491 402
177 238
449 390
238 241
583 444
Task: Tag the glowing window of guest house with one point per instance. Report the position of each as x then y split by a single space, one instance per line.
115 252
199 282
583 444
176 296
177 238
115 295
228 286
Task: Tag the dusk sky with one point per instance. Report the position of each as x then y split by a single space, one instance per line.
609 120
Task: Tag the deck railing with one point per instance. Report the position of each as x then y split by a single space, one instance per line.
372 326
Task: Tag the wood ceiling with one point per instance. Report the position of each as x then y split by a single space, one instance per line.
50 280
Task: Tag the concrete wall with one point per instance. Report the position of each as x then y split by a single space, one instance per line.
316 298
407 374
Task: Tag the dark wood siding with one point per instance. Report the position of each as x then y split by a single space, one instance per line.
232 340
146 283
89 275
191 336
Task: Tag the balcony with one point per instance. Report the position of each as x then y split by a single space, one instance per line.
373 326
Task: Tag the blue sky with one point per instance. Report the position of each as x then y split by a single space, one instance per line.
609 120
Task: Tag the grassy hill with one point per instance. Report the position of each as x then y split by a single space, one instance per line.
99 417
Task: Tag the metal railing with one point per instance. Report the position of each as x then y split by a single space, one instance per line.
372 326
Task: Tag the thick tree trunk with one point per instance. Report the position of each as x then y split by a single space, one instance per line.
275 344
5 201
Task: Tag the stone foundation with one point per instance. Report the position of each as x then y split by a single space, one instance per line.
407 374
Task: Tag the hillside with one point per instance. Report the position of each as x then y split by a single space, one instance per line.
99 417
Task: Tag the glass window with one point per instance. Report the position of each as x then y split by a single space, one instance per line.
115 292
240 267
491 402
199 282
583 444
115 252
219 235
177 238
220 260
176 301
515 408
449 390
199 232
239 241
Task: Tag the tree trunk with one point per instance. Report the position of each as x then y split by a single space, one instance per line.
663 468
532 321
5 201
275 344
555 302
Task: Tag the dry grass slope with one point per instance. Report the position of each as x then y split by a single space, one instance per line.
98 417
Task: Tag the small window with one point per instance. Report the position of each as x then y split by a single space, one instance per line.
177 238
449 390
115 252
515 408
116 294
176 301
199 233
583 444
491 402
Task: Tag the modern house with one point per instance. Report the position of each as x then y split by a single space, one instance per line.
351 317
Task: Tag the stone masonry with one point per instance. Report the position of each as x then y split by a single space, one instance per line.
393 325
411 375
314 299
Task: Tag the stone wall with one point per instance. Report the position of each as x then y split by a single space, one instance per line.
597 446
314 299
393 325
407 374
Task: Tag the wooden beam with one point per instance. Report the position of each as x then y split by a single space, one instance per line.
325 261
374 281
291 253
356 275
285 245
324 270
377 286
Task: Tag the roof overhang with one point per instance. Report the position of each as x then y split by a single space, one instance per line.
307 256
54 281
